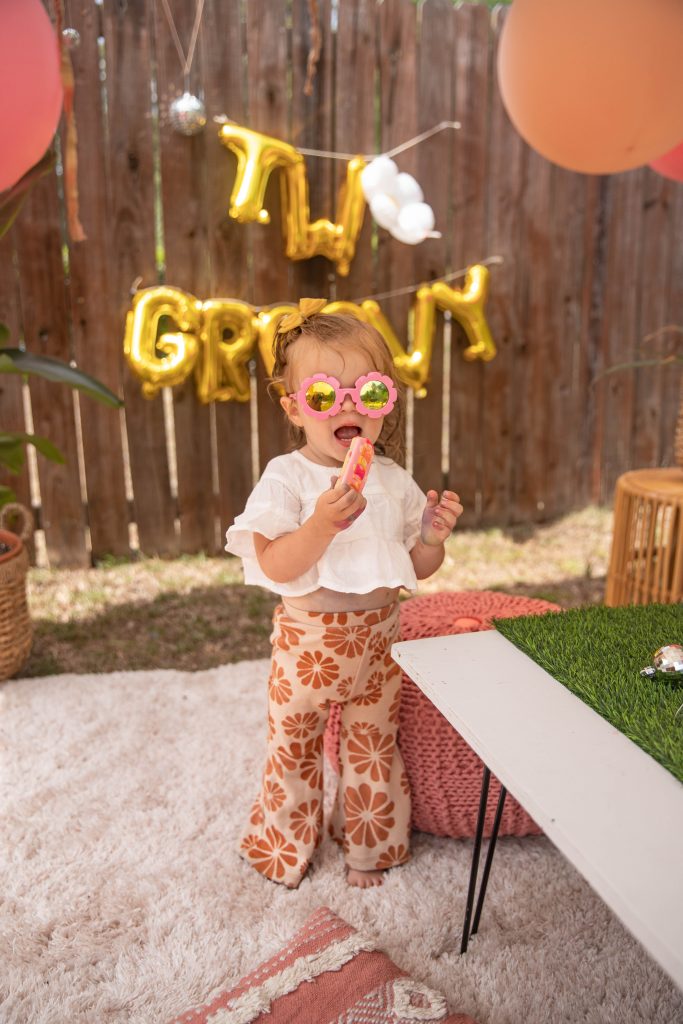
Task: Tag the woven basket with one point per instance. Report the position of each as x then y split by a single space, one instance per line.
16 629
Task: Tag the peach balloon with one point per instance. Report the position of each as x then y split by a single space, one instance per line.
670 165
594 85
30 87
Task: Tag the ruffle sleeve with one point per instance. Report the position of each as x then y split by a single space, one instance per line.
272 509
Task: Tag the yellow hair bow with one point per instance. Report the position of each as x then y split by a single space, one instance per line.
307 309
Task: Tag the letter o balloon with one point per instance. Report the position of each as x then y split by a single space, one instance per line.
30 87
594 85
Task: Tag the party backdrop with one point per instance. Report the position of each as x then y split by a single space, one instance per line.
589 266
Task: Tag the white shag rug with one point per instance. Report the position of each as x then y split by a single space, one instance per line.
123 899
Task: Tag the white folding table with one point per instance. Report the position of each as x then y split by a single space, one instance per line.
612 810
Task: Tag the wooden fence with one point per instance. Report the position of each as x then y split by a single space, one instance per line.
591 265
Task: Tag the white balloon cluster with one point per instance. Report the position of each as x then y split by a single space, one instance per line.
396 202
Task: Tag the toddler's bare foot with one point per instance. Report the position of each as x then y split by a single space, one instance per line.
364 879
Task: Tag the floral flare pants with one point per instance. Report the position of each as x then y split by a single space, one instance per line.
321 658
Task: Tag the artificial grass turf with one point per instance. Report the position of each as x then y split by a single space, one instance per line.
598 653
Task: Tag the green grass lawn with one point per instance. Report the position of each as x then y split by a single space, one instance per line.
598 653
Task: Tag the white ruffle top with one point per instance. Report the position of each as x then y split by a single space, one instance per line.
372 552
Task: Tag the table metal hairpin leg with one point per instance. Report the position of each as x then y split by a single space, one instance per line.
483 799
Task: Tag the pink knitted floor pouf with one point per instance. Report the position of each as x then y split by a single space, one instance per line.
444 773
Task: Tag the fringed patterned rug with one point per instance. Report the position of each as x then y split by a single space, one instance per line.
327 974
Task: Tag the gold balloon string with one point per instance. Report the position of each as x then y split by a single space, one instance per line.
410 288
415 141
334 155
185 61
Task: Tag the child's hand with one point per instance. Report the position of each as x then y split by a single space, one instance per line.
439 517
337 508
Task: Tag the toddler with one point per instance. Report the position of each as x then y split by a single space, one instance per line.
338 559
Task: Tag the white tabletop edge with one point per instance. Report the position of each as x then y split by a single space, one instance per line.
442 666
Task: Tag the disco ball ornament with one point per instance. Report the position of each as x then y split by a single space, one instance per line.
71 38
667 659
187 114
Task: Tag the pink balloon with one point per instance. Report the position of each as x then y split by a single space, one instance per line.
30 87
594 85
670 165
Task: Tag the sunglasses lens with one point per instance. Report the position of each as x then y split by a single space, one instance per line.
374 394
320 396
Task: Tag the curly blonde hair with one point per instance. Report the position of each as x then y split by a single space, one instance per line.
341 330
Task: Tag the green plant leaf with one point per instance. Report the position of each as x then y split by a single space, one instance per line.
45 447
11 452
6 495
12 200
4 334
15 360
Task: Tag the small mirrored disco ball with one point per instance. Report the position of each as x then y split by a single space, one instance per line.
666 659
187 114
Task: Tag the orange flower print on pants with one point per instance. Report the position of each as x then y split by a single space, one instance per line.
320 659
393 855
306 821
315 669
368 816
272 854
280 689
371 754
300 725
343 641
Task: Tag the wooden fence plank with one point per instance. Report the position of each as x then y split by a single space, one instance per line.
222 46
532 345
593 250
564 390
649 411
354 125
96 324
469 155
131 173
11 400
432 157
185 213
397 63
505 188
311 127
47 332
619 336
268 112
672 383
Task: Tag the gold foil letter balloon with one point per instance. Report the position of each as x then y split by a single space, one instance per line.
257 156
336 241
162 360
413 366
222 373
467 307
265 324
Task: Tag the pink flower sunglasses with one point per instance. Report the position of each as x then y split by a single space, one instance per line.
373 395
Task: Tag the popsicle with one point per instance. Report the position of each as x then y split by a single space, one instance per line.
357 463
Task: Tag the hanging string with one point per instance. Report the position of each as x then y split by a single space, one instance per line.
334 155
410 288
185 61
421 138
316 46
